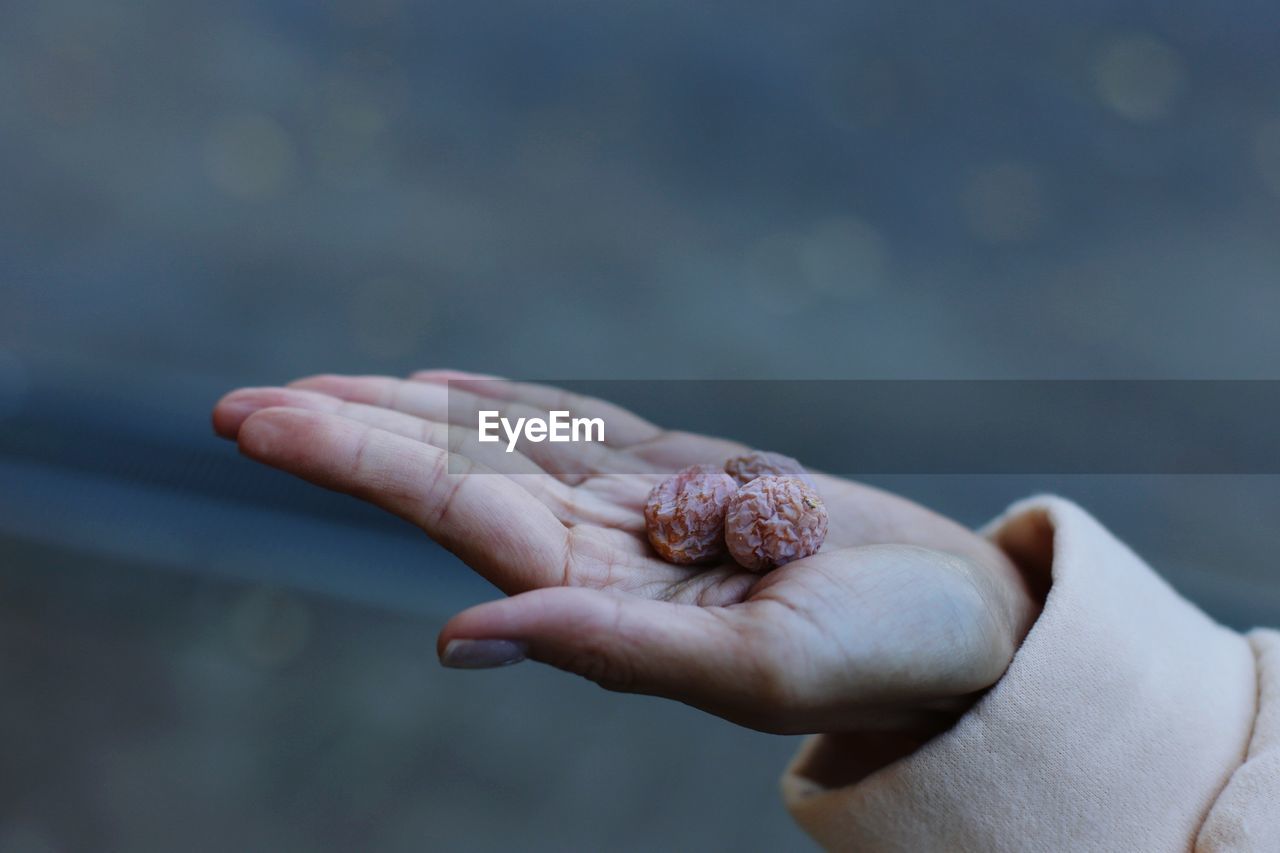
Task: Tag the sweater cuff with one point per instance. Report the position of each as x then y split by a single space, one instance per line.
1117 725
1245 816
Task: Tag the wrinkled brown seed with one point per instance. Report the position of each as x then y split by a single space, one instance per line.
761 463
684 514
772 521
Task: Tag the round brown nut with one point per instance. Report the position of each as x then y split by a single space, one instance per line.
771 521
684 514
760 463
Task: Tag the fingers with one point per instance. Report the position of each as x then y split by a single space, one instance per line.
597 505
843 641
694 654
232 410
568 461
498 529
664 449
648 448
625 428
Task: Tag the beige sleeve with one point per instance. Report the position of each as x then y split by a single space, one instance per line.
1128 720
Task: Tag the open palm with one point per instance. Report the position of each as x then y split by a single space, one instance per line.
896 622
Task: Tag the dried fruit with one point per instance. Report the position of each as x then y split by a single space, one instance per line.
760 463
684 514
771 521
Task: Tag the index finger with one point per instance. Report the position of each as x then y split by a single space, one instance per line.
493 525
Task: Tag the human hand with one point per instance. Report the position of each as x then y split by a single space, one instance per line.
897 624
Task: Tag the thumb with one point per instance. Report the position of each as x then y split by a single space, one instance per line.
704 656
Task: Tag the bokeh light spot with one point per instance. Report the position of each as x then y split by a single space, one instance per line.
843 256
835 259
1003 202
250 156
1139 77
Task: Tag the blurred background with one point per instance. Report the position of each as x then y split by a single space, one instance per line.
196 654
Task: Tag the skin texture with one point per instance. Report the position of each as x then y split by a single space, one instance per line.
900 621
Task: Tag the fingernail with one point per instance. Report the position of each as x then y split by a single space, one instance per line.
482 654
237 410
